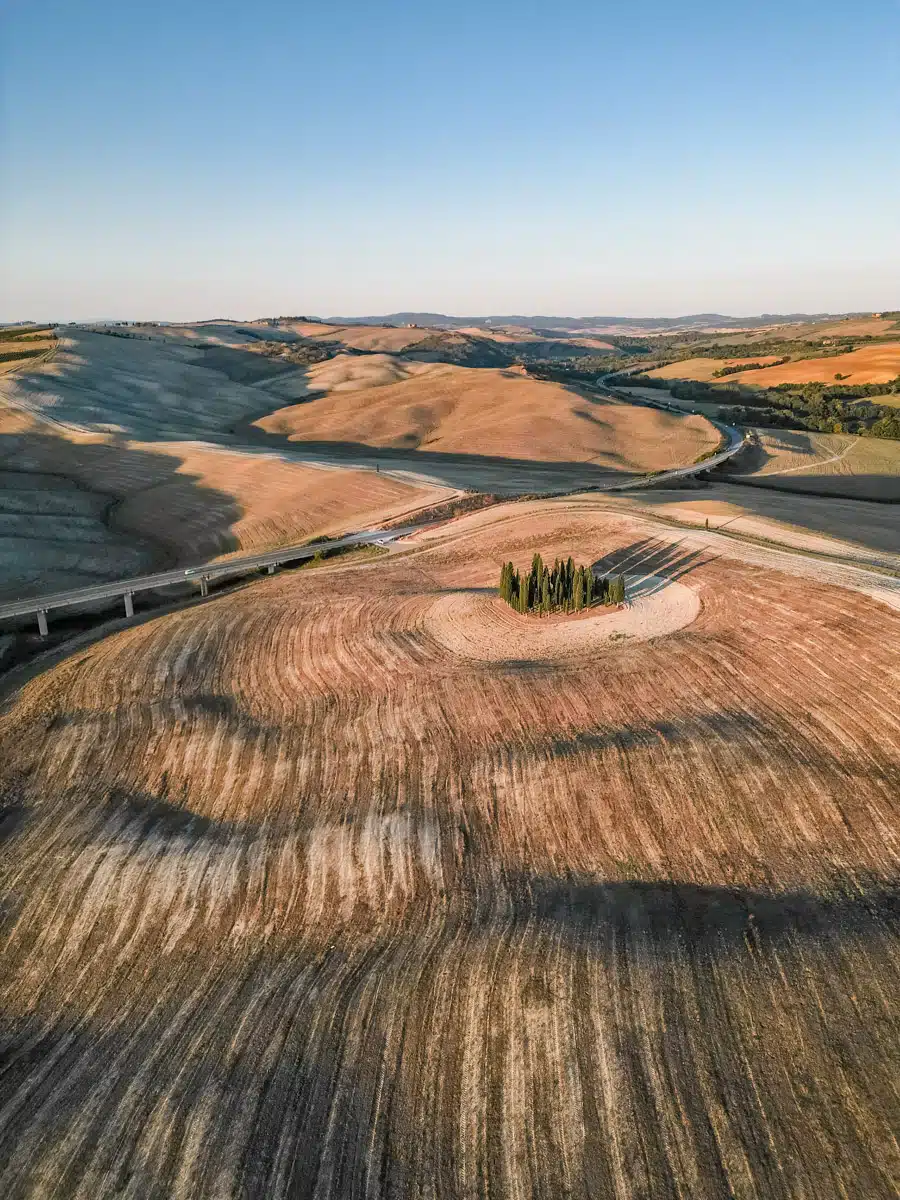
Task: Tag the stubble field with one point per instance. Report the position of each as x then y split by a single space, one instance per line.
879 363
438 408
304 899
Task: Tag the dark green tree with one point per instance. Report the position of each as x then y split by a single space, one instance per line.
578 589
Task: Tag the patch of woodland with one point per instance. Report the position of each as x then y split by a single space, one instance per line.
815 407
563 588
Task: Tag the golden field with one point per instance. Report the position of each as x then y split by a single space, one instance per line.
306 897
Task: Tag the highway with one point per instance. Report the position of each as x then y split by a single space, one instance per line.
201 575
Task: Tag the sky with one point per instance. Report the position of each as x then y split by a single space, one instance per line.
197 159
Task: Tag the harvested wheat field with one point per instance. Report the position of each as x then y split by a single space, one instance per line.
81 508
870 364
703 369
439 408
305 898
864 468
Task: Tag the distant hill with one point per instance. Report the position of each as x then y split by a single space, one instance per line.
598 324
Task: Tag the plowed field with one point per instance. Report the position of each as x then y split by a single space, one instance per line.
304 899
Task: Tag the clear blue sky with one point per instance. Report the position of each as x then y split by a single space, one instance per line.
191 159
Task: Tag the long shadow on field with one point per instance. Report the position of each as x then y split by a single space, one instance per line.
152 512
648 556
794 751
222 711
475 471
684 917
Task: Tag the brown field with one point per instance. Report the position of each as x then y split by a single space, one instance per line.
870 364
77 508
702 368
838 464
440 408
303 900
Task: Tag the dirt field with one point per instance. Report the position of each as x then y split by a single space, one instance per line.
501 413
301 901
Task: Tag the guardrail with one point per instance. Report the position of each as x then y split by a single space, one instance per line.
41 606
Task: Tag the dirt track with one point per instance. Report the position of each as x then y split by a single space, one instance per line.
299 902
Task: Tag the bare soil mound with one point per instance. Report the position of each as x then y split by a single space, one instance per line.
480 626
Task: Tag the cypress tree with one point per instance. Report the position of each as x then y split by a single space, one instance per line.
578 589
545 591
588 587
537 570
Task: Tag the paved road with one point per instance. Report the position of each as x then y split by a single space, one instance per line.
234 566
736 440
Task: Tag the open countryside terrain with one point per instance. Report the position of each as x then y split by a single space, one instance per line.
147 436
798 460
501 414
824 463
115 458
879 363
353 883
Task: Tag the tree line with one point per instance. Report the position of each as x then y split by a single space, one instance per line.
818 407
564 587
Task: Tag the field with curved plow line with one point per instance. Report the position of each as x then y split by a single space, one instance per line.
304 896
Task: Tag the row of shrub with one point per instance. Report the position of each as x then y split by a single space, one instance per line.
737 368
564 587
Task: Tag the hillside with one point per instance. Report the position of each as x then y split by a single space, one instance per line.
878 363
348 884
117 458
437 408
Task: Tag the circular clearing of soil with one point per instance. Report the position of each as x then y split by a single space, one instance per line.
481 626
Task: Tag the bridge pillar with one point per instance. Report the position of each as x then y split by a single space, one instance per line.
271 568
42 622
204 586
129 604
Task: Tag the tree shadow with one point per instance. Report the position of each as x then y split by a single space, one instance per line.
650 564
670 917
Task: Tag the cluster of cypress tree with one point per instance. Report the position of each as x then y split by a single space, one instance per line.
563 588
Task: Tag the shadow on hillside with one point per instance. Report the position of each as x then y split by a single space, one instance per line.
477 472
861 488
71 394
177 518
875 526
671 916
